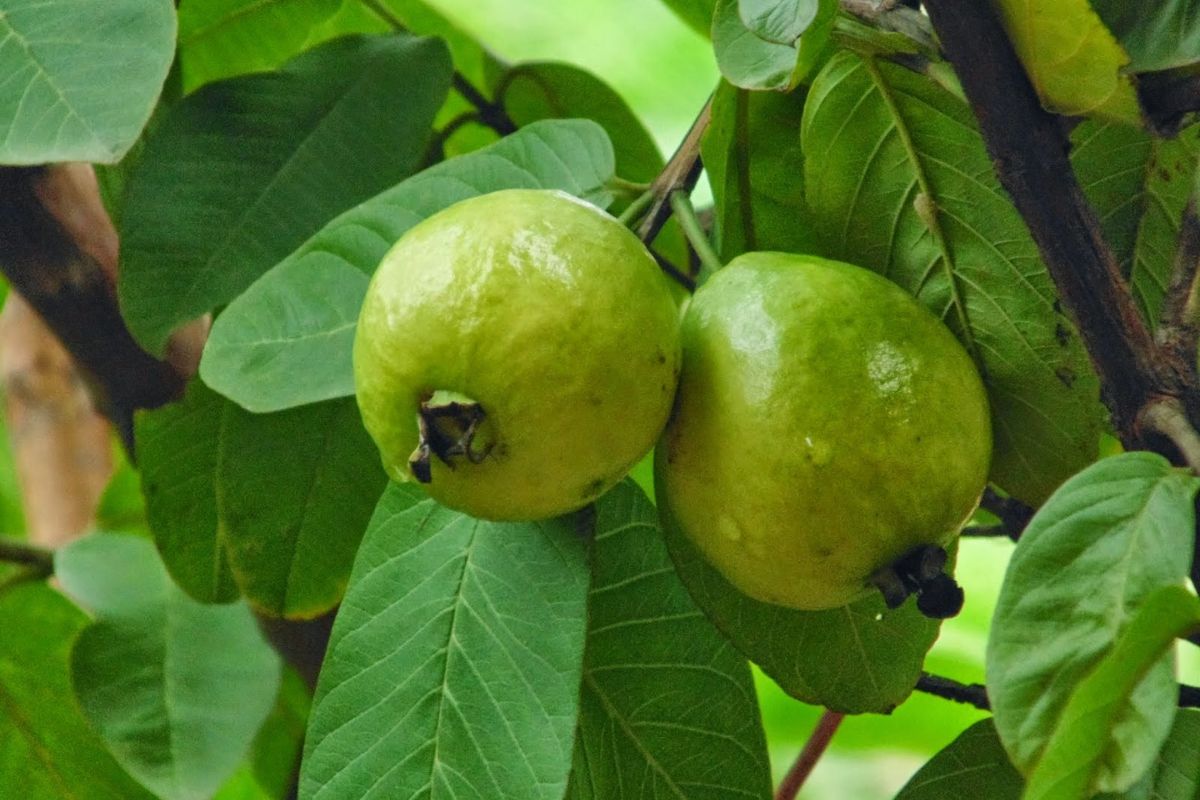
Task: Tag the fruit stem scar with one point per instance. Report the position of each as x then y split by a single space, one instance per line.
446 430
920 571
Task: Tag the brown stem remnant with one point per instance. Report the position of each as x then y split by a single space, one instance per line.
921 571
1029 149
447 430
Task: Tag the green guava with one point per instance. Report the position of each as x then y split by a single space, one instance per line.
826 426
516 353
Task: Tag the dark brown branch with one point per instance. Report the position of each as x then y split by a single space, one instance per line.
972 694
1030 152
813 749
48 262
27 555
680 173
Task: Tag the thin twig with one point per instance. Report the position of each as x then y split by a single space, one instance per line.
685 215
16 552
791 784
674 272
681 172
972 694
1013 514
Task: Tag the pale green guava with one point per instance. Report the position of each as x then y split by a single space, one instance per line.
517 352
826 425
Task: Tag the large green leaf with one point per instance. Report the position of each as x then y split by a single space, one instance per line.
1139 184
47 749
1072 59
1156 36
78 79
454 666
221 38
296 491
1102 543
177 689
298 318
899 181
273 505
668 705
752 153
857 658
242 171
745 59
1083 754
178 449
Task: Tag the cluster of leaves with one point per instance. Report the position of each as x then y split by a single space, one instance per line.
261 158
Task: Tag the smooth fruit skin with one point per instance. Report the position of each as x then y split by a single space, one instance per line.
550 315
825 424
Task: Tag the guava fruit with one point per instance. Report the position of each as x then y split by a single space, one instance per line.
830 435
517 353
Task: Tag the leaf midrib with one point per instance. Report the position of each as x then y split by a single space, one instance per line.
899 124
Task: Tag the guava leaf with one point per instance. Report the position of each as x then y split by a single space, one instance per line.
898 181
1073 61
280 327
240 172
80 78
176 689
454 665
668 706
222 38
47 749
973 765
1139 184
780 21
755 167
1082 754
295 492
746 60
1099 546
698 14
1156 36
272 506
1112 163
857 658
551 90
178 447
